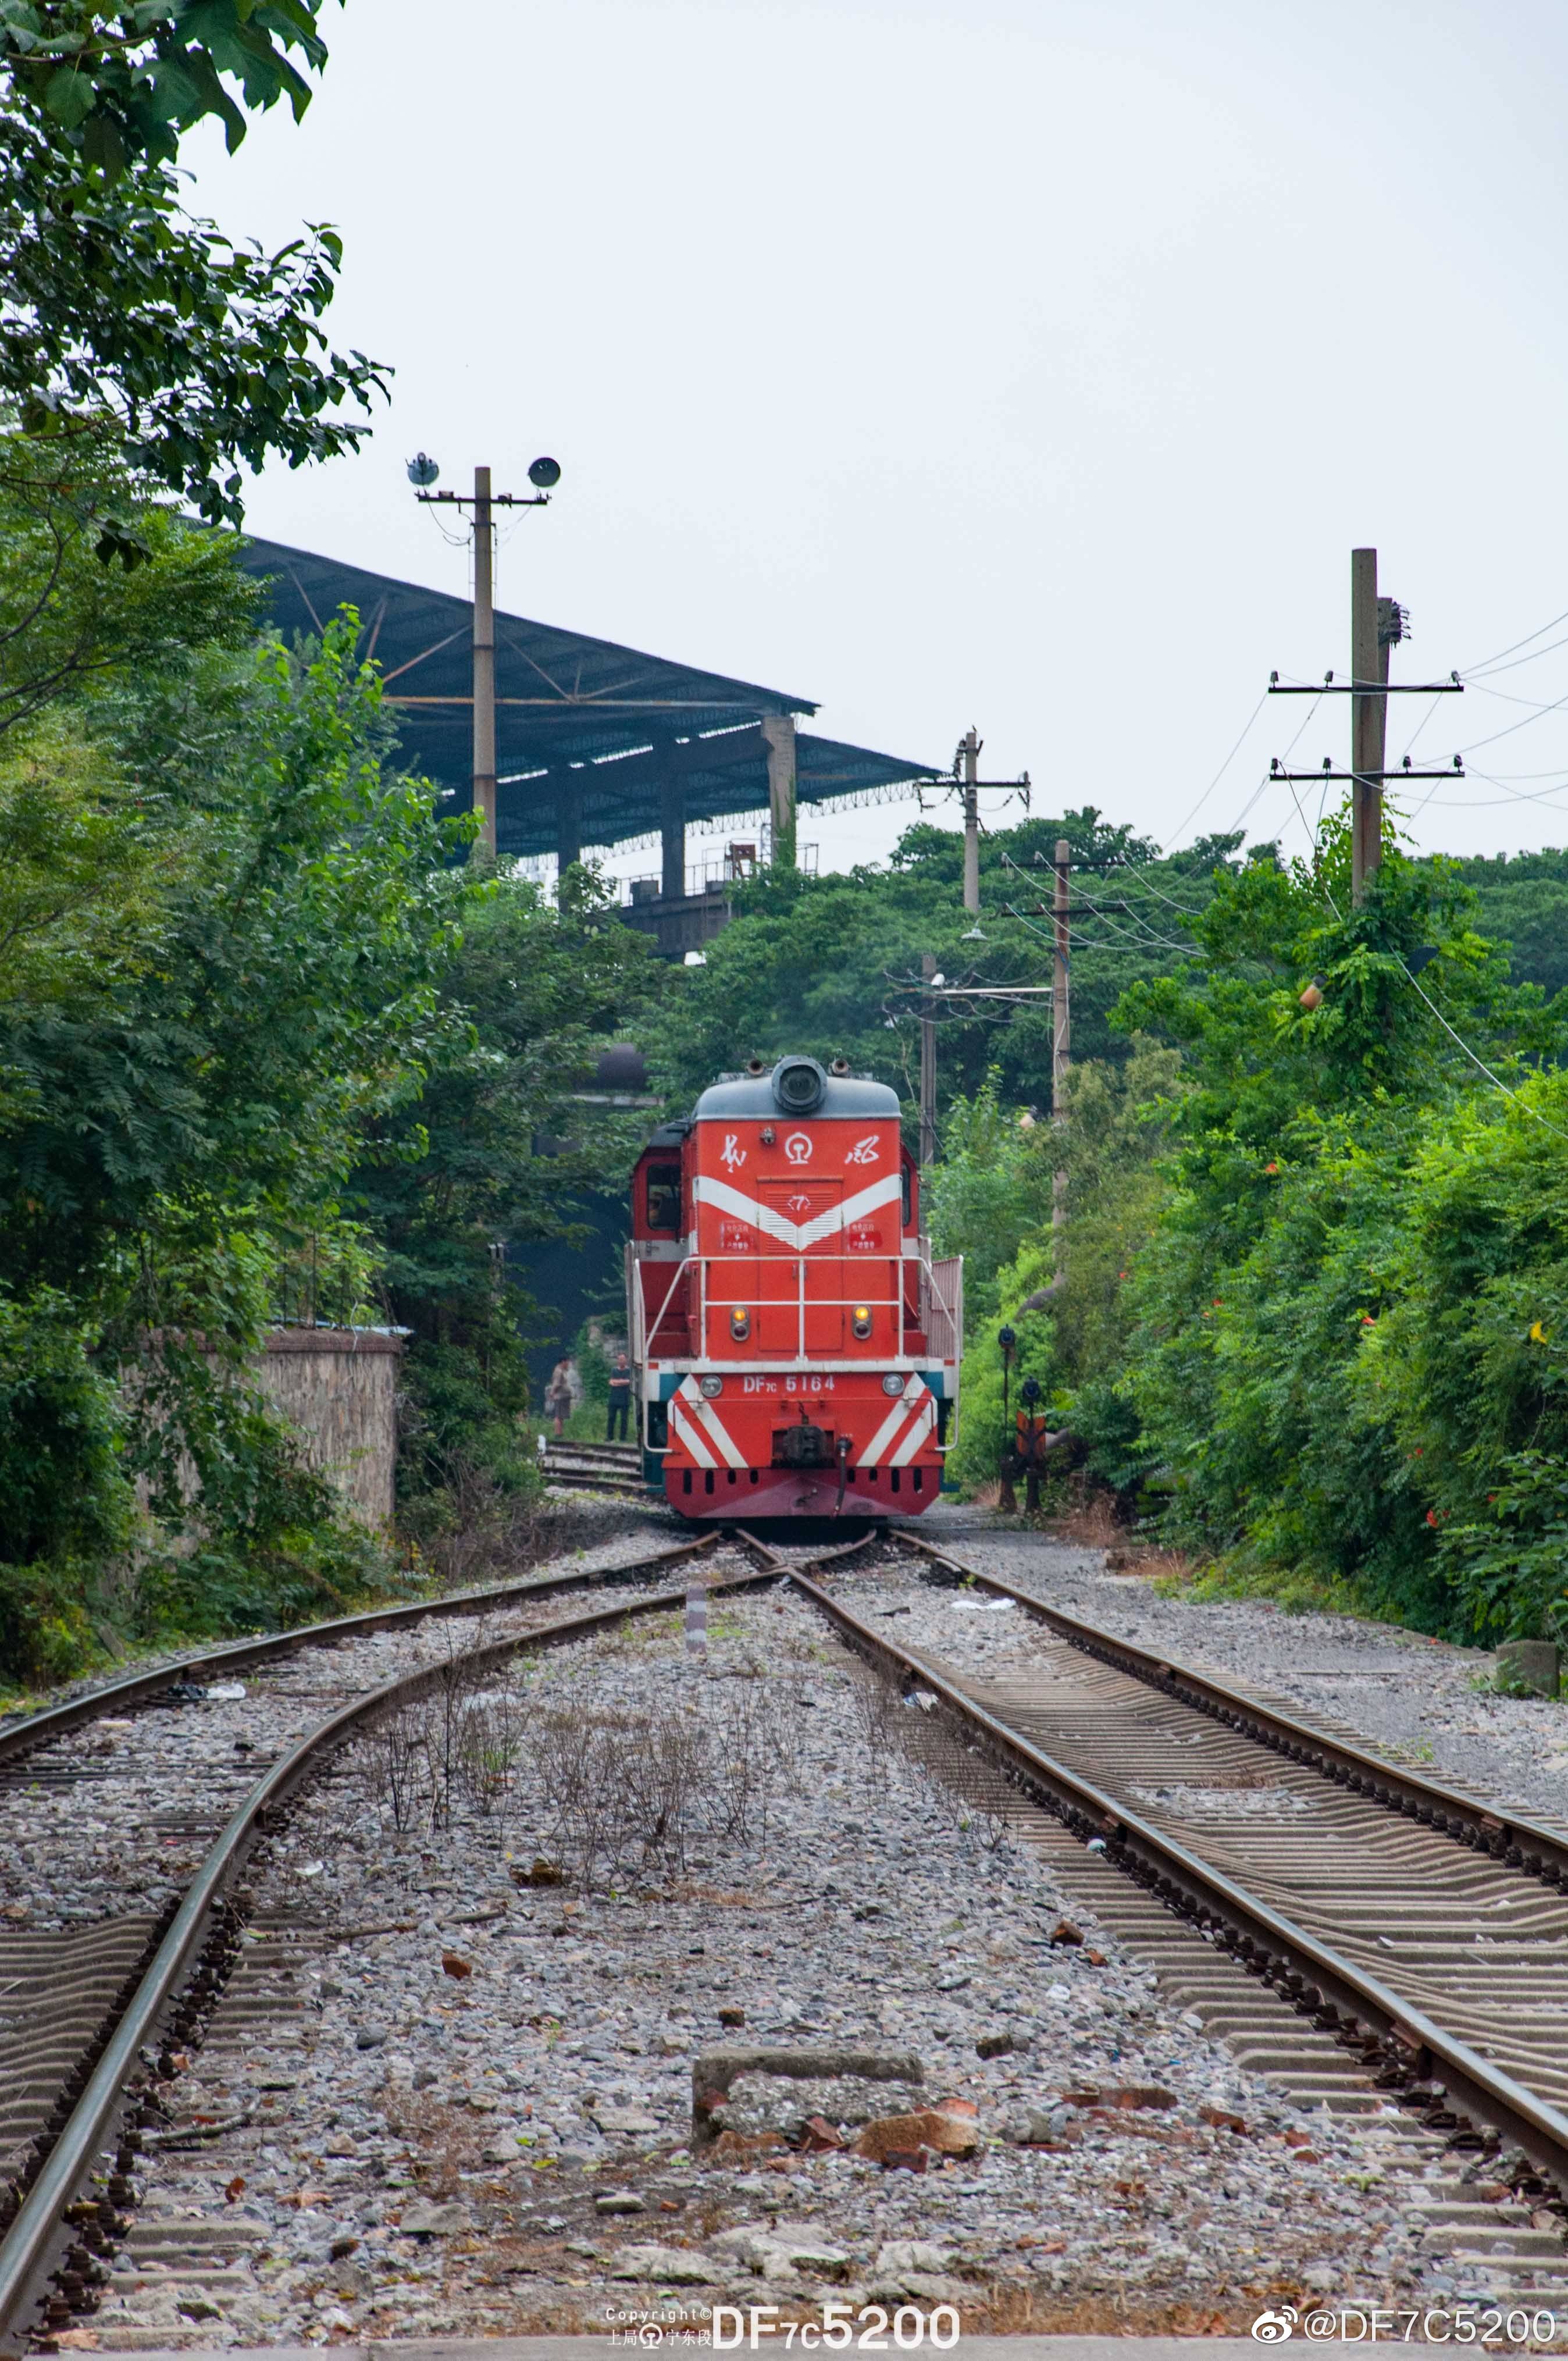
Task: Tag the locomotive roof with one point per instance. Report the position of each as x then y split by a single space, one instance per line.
750 1097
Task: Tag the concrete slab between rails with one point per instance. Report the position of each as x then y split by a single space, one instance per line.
602 2349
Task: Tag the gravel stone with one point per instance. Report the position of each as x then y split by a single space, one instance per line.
864 1909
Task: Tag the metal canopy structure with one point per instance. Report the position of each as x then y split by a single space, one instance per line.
595 743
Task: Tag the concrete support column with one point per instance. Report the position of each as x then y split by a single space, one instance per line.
672 834
568 825
778 731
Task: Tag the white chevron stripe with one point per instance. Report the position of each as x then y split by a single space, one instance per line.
689 1435
697 1404
873 1456
798 1234
917 1435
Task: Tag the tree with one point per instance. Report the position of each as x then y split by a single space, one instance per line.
1325 1335
832 964
119 308
493 1153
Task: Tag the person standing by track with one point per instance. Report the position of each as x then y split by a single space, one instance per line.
558 1396
619 1397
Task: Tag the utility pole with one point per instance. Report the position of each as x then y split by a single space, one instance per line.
969 747
928 1070
965 776
1377 624
1369 719
544 473
484 663
1061 1027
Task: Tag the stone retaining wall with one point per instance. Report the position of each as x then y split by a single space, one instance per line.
339 1388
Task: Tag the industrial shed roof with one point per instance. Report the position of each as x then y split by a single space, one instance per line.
608 721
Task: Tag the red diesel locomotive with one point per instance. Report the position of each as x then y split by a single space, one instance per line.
796 1348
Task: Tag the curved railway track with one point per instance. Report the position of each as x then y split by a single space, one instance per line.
89 2010
1419 1928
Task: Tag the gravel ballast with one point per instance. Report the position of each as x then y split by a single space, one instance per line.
478 2119
1420 1700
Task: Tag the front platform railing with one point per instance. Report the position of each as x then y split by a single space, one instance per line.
936 1314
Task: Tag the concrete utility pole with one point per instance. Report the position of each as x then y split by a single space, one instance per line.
1377 624
484 663
778 736
969 748
928 1070
672 836
1061 1023
543 474
1062 1007
1368 717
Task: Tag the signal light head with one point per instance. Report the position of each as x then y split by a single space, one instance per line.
862 1323
739 1323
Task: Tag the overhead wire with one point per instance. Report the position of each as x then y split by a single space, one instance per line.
1218 774
1475 1061
1489 670
1487 662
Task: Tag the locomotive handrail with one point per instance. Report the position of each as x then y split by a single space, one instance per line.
931 1299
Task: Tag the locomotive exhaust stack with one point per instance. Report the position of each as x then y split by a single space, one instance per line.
795 1347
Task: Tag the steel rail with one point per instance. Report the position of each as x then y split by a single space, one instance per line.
31 2247
1510 1838
1340 1996
138 1688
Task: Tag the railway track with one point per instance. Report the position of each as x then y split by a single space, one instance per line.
67 1994
614 1469
1425 1931
1417 1935
135 1994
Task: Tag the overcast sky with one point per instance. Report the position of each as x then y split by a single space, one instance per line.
1030 365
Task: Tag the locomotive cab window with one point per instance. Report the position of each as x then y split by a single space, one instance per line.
665 1199
907 1180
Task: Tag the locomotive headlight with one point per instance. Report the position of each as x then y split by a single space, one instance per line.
862 1323
711 1386
892 1383
740 1325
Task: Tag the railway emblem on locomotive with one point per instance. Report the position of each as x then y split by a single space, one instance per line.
732 1153
864 1151
797 1148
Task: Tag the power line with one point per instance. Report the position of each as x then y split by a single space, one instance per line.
1481 1063
1525 724
1136 877
1487 662
1491 669
1218 774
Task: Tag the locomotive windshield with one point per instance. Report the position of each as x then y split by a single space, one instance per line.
665 1198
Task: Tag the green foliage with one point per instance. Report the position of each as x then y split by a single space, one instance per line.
108 85
1323 1333
1114 1192
69 626
492 1154
831 965
1522 903
121 310
62 1488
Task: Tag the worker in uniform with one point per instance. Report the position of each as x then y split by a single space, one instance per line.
619 1397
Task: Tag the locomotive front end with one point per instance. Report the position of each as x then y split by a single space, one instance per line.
796 1348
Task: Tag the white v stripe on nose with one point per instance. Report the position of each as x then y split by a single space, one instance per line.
778 1226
